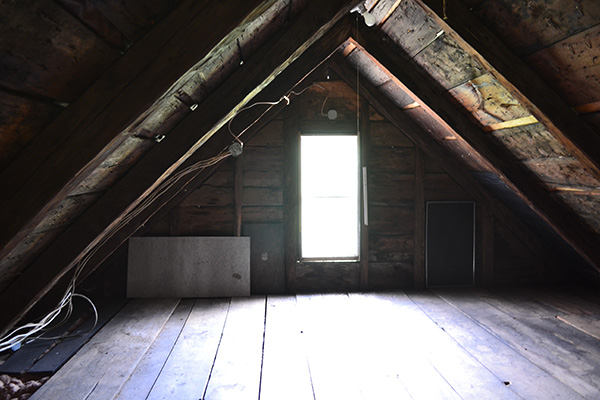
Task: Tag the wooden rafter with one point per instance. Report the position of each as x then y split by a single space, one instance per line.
267 65
521 81
434 150
48 170
471 138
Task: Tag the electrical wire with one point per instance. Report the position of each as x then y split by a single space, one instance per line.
15 338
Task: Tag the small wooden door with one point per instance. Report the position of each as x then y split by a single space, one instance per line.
267 270
450 243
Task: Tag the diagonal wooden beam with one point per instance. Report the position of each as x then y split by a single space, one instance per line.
161 207
80 138
521 182
313 33
521 81
434 150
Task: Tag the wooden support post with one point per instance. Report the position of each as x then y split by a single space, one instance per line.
238 194
363 136
419 252
433 149
290 198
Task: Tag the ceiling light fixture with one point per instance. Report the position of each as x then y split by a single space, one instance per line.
362 10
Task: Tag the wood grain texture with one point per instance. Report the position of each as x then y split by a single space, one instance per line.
448 63
571 66
123 342
527 26
285 370
544 341
143 378
186 372
525 378
237 366
56 57
418 29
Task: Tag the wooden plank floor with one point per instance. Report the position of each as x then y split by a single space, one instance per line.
446 344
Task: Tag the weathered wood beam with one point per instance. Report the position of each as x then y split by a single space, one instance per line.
471 138
434 150
521 81
364 134
48 169
309 34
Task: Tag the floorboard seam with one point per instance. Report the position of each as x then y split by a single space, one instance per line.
216 352
172 347
262 357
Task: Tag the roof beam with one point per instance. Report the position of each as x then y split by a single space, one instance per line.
521 81
434 150
47 169
430 98
304 36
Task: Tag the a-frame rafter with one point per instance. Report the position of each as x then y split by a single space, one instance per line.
312 29
522 82
471 138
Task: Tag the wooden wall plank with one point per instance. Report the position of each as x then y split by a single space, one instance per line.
208 195
384 133
392 220
262 214
206 221
391 275
262 196
442 187
390 248
270 135
326 277
397 159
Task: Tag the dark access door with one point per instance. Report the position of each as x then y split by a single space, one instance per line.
450 243
267 271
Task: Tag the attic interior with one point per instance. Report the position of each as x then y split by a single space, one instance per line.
122 122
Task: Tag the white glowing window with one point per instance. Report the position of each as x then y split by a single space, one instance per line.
329 197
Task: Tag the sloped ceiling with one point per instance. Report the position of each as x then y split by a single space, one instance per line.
115 117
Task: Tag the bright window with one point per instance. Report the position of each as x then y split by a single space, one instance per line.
329 197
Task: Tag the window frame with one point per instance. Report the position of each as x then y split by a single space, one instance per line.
345 131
